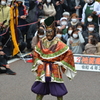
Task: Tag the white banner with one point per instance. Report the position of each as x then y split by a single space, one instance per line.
87 62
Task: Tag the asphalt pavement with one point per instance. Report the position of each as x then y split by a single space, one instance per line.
85 85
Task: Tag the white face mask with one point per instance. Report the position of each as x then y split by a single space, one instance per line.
89 19
59 35
91 29
63 23
48 1
74 20
3 2
80 29
41 36
70 32
75 35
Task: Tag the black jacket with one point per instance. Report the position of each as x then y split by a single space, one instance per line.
82 3
34 11
86 34
71 6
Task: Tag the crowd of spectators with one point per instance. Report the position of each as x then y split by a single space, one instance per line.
76 23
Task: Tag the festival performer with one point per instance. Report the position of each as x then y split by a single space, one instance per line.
51 56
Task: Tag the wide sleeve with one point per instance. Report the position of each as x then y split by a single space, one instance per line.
68 66
36 60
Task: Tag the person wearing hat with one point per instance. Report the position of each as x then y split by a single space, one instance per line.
67 15
63 25
4 64
51 56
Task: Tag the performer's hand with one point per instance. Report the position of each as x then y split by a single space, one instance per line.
58 63
39 62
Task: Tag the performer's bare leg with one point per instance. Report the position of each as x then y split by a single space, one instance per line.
39 97
60 98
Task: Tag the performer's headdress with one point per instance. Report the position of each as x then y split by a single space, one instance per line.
49 22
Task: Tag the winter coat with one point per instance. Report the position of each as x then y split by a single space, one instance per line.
71 5
49 10
90 49
34 12
86 34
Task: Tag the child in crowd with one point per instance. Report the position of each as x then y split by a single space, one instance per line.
75 42
90 47
68 34
4 64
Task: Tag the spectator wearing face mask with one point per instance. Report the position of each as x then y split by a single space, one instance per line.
90 7
67 15
49 9
59 34
63 25
41 25
69 33
74 20
35 39
89 20
75 42
90 47
90 31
